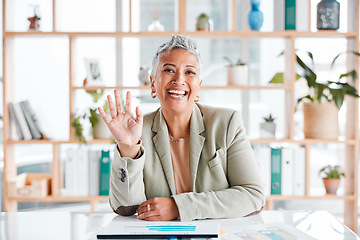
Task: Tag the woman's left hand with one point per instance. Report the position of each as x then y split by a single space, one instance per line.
158 209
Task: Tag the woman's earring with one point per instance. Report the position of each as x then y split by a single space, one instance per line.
197 99
153 94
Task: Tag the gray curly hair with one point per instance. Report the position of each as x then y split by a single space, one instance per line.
177 42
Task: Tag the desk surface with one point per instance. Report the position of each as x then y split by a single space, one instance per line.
78 226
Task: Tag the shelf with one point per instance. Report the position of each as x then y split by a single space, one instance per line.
252 141
228 87
322 197
97 141
303 141
62 199
212 35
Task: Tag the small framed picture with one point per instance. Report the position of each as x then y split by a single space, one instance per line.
93 72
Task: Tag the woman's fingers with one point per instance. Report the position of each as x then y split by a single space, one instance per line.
128 102
111 106
107 120
139 115
118 102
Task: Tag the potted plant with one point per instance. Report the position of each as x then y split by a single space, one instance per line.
204 23
98 127
331 178
323 101
237 72
268 128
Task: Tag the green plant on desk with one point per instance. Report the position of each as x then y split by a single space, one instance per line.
331 172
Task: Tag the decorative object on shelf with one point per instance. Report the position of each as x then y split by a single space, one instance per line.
204 23
30 185
155 26
256 17
99 128
144 75
34 18
93 73
268 128
330 93
331 179
237 72
328 12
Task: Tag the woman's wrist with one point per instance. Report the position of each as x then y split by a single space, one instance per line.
130 151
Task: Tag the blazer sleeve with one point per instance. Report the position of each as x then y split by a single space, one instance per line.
245 193
127 189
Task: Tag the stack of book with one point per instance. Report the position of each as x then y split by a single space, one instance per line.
86 172
24 123
282 169
291 15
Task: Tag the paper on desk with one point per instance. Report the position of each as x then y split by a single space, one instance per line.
273 231
121 227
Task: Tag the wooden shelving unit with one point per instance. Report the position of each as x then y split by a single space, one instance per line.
351 142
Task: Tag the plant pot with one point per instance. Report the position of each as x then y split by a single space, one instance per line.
204 24
331 185
238 75
267 130
321 120
101 131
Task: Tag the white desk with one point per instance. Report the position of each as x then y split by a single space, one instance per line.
78 226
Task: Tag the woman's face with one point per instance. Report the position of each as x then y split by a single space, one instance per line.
177 80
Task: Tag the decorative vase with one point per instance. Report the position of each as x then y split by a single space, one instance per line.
256 17
321 120
156 26
267 130
328 12
101 131
331 185
238 75
204 23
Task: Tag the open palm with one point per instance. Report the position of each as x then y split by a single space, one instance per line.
122 125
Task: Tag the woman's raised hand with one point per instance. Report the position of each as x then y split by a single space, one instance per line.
122 125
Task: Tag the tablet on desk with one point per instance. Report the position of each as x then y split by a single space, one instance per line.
132 228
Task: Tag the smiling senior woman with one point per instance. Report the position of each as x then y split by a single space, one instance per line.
185 160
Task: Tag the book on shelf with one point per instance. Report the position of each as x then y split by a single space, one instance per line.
20 121
25 120
279 15
287 171
282 169
105 170
290 15
302 16
86 172
276 171
262 156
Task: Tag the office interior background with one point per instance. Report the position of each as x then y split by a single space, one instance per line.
42 74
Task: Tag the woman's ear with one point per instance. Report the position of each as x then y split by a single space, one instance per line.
152 82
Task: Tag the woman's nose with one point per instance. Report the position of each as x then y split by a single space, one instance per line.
179 79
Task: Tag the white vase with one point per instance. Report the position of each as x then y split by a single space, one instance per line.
238 75
267 130
101 131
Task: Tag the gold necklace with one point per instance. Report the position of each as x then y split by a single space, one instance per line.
172 139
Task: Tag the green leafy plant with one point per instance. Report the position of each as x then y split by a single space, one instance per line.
203 15
90 114
331 172
329 91
270 118
232 64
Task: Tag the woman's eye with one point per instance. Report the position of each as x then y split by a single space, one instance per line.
190 72
169 70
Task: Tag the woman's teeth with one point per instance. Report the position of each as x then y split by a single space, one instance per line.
177 92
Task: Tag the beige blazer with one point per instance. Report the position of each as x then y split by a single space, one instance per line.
225 178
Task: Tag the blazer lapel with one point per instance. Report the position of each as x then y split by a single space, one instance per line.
196 142
162 146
